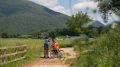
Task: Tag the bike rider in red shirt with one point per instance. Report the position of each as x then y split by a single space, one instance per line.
55 47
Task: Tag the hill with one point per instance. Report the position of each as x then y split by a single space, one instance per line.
23 17
97 24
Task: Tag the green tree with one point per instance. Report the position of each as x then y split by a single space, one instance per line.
4 35
52 34
109 6
75 22
93 32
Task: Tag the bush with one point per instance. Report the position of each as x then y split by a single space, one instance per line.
4 35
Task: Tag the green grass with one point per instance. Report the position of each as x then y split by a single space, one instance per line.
65 43
34 48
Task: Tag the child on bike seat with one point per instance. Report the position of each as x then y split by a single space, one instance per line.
55 47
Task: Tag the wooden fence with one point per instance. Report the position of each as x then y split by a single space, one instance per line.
12 54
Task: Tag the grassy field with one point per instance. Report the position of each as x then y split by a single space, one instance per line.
34 46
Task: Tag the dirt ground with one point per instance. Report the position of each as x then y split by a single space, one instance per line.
70 56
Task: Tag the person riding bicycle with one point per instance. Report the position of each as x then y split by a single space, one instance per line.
55 47
56 52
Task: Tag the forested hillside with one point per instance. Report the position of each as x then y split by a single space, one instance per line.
23 17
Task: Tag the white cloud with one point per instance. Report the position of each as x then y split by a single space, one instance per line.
82 5
112 18
85 4
53 4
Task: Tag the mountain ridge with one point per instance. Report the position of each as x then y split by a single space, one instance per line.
23 17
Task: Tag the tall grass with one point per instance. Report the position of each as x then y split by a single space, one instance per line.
103 52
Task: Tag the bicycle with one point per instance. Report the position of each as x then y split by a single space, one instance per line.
56 53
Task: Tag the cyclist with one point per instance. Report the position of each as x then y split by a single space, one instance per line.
55 47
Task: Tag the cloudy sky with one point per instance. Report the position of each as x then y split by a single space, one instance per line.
64 6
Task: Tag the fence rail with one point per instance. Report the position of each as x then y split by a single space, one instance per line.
12 54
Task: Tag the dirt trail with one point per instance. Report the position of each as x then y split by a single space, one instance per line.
70 56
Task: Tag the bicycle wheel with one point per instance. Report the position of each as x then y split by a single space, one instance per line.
61 54
52 54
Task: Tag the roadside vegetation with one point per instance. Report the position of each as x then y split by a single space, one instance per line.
104 51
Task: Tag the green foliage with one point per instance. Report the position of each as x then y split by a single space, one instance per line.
101 52
65 43
52 34
75 22
108 7
96 32
93 32
4 35
25 17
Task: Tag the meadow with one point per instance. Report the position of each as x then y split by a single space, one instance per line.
34 48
